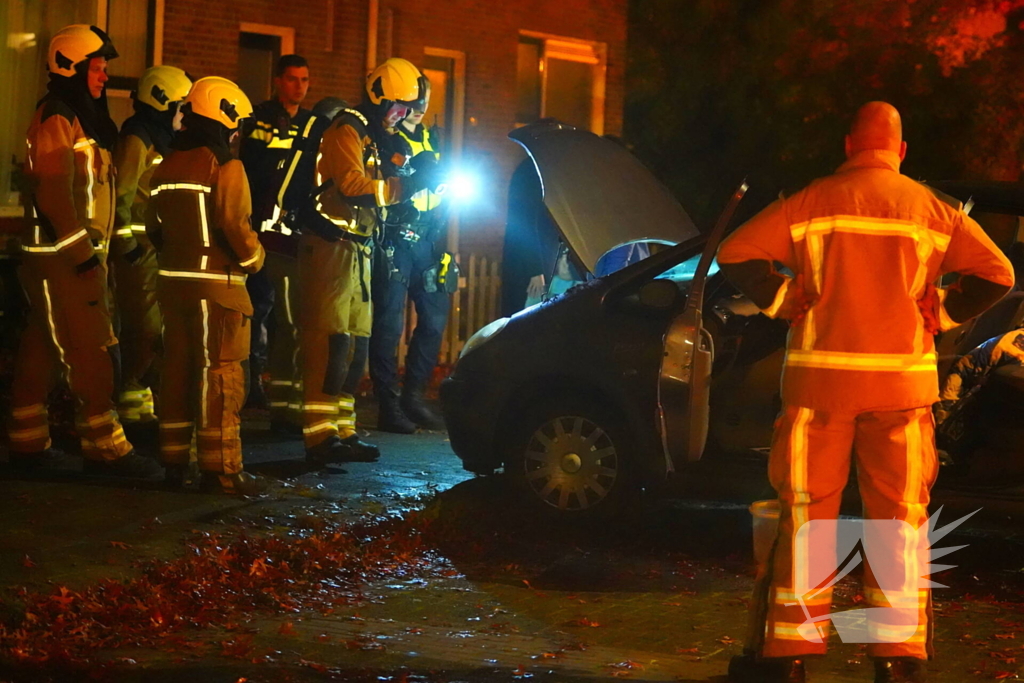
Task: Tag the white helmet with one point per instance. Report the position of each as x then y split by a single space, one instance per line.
219 99
75 44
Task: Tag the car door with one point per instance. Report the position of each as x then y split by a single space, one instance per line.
684 384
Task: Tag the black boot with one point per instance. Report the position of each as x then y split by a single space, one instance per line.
900 670
49 461
360 451
391 418
414 405
130 466
747 668
238 484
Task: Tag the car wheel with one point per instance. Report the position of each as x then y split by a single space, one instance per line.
570 460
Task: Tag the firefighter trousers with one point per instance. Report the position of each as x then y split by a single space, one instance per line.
896 460
139 315
285 384
203 385
68 333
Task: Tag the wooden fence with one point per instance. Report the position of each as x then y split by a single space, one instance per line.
475 304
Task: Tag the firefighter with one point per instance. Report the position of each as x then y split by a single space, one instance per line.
266 146
335 250
972 369
863 246
198 220
144 141
413 250
64 272
296 186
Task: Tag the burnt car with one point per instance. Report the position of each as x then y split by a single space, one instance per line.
647 378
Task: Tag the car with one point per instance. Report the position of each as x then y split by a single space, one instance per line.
641 379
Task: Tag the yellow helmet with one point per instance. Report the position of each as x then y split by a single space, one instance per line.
159 86
396 80
219 99
75 44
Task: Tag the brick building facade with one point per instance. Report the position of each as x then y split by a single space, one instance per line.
202 37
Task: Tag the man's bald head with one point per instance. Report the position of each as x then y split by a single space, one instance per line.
877 125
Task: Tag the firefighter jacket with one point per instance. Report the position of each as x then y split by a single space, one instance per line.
969 371
350 162
198 220
864 245
266 149
136 158
70 204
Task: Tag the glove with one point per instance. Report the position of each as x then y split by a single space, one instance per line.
428 174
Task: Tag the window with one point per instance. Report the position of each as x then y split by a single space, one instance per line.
27 26
561 78
259 47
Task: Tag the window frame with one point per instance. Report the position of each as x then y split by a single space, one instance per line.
565 48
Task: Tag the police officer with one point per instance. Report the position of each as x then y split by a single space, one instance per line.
413 250
860 376
198 220
334 253
145 140
64 274
266 146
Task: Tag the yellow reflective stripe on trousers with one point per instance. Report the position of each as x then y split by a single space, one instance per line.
843 360
798 451
176 425
25 412
319 407
70 239
811 632
28 434
195 275
317 427
53 326
204 381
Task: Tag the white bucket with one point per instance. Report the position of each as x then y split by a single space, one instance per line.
766 525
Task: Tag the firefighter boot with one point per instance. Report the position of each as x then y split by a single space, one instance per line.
360 450
900 670
237 484
414 405
747 668
391 418
130 466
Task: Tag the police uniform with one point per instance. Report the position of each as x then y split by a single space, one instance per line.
412 251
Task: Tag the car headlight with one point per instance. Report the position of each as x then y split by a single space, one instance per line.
483 334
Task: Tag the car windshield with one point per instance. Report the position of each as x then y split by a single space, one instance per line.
683 273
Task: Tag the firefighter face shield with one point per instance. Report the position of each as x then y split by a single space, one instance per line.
395 113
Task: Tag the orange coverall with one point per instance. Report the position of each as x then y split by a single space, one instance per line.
198 219
70 220
860 374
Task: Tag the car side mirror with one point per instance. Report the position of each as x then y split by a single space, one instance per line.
659 294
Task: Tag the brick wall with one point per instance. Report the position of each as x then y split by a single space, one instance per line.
202 37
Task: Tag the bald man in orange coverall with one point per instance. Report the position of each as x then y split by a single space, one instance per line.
864 246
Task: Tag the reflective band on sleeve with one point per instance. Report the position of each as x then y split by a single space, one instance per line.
124 232
780 297
249 261
319 407
90 209
380 188
202 220
71 239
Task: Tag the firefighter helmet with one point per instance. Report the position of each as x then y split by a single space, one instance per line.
219 99
396 80
75 44
159 86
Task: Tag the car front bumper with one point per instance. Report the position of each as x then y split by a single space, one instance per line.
471 418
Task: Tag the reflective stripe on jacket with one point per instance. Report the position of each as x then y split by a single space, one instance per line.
71 206
135 162
349 158
864 244
198 219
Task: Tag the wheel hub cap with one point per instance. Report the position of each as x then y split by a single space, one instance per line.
571 463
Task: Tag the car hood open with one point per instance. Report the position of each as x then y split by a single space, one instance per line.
599 194
988 196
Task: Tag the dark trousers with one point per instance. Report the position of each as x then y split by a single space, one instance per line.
389 297
261 293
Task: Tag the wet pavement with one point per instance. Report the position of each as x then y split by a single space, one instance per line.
466 585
